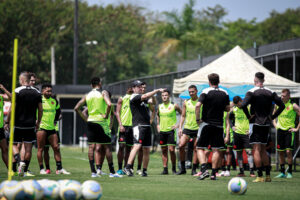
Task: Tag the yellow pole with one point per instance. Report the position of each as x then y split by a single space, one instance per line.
12 114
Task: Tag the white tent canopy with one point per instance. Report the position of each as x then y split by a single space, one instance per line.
236 67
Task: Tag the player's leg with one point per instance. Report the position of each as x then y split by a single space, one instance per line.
182 143
41 136
28 154
173 157
250 162
163 141
290 145
281 148
195 159
140 161
121 151
240 160
228 160
91 151
4 151
128 169
47 158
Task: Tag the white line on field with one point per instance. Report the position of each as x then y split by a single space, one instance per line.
78 158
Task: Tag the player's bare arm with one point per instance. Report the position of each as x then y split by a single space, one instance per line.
8 98
197 112
182 118
108 102
118 114
78 107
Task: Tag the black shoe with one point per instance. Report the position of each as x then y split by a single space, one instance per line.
128 171
213 178
193 172
165 172
181 172
204 175
144 174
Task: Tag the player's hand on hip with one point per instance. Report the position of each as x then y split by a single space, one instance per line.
122 129
293 130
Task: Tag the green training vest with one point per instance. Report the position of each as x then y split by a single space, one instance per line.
241 121
1 111
190 115
96 106
49 111
167 117
286 119
126 116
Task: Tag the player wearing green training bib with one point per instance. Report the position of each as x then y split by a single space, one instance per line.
3 142
166 127
51 112
99 108
286 132
190 129
124 117
241 139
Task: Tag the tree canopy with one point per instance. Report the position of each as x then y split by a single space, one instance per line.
131 41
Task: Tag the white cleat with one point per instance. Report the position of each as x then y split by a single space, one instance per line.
43 171
111 175
139 172
227 173
95 175
100 172
62 171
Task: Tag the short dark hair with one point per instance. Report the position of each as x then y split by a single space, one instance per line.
193 86
166 90
32 74
260 76
46 85
237 99
95 81
214 79
286 91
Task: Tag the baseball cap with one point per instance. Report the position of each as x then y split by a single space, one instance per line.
137 83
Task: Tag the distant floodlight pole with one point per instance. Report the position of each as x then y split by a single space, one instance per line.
75 54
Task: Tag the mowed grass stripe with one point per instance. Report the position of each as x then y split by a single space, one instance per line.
157 186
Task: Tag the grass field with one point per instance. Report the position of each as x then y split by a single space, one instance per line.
156 186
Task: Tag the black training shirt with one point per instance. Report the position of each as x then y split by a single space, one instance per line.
214 102
139 110
261 100
27 100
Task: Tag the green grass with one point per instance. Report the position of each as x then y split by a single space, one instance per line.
158 187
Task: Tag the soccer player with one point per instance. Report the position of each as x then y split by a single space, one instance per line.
151 105
286 132
241 135
141 126
260 117
28 114
124 117
190 129
3 142
166 127
51 112
99 106
214 101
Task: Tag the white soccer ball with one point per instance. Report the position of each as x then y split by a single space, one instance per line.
91 190
51 189
12 190
33 190
237 185
70 190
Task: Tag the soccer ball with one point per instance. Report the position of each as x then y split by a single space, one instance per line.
32 189
91 190
237 185
51 189
12 190
70 190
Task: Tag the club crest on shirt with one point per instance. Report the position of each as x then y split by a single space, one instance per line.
52 102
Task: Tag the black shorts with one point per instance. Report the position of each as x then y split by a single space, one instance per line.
142 135
190 133
96 134
285 140
24 135
241 142
210 137
258 134
47 144
2 134
127 136
167 138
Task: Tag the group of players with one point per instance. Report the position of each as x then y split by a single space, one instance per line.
211 122
36 120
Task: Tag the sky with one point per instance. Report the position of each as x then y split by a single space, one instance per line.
245 9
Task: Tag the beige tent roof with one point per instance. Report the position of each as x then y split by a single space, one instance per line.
235 67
